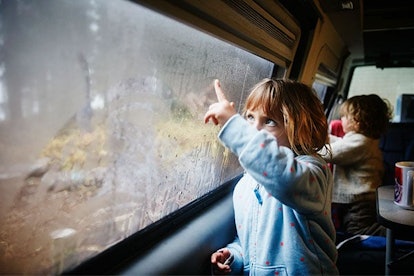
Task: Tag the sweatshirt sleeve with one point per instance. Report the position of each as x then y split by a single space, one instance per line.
349 149
300 183
236 250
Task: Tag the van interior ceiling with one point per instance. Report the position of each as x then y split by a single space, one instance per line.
376 31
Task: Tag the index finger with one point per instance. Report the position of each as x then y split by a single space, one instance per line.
219 92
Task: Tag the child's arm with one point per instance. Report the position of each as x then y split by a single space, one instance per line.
349 149
302 185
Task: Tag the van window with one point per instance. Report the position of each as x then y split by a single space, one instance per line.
101 125
388 83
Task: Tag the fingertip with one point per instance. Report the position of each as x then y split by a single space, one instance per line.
217 82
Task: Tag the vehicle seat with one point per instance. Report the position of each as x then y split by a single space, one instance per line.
365 255
397 144
409 152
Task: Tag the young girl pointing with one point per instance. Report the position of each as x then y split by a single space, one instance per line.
282 203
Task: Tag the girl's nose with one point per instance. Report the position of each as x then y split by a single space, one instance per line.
258 125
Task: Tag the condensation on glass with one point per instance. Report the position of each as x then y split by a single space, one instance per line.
101 130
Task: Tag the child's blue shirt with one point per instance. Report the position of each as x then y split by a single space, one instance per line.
282 207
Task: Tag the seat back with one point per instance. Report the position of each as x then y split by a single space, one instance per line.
397 144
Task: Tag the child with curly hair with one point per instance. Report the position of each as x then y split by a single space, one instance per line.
359 166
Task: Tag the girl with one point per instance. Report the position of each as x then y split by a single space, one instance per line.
282 203
359 166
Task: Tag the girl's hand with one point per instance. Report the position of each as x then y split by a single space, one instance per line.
220 261
221 111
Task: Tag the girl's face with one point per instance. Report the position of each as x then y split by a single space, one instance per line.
275 126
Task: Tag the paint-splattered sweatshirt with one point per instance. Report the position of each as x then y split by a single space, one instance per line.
282 207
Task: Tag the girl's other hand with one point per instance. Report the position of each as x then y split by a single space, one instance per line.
221 111
218 261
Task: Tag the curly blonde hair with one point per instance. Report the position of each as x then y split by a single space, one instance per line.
370 112
304 117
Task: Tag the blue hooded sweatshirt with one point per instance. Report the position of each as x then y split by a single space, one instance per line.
282 207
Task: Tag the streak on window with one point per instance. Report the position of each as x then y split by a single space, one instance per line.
101 132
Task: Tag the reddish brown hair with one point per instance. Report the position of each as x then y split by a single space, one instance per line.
304 117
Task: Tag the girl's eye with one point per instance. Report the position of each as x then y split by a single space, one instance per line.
270 122
250 117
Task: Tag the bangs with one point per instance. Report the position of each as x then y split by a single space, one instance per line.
264 98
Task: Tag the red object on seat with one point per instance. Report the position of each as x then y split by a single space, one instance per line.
336 129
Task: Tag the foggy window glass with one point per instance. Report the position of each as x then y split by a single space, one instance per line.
101 130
